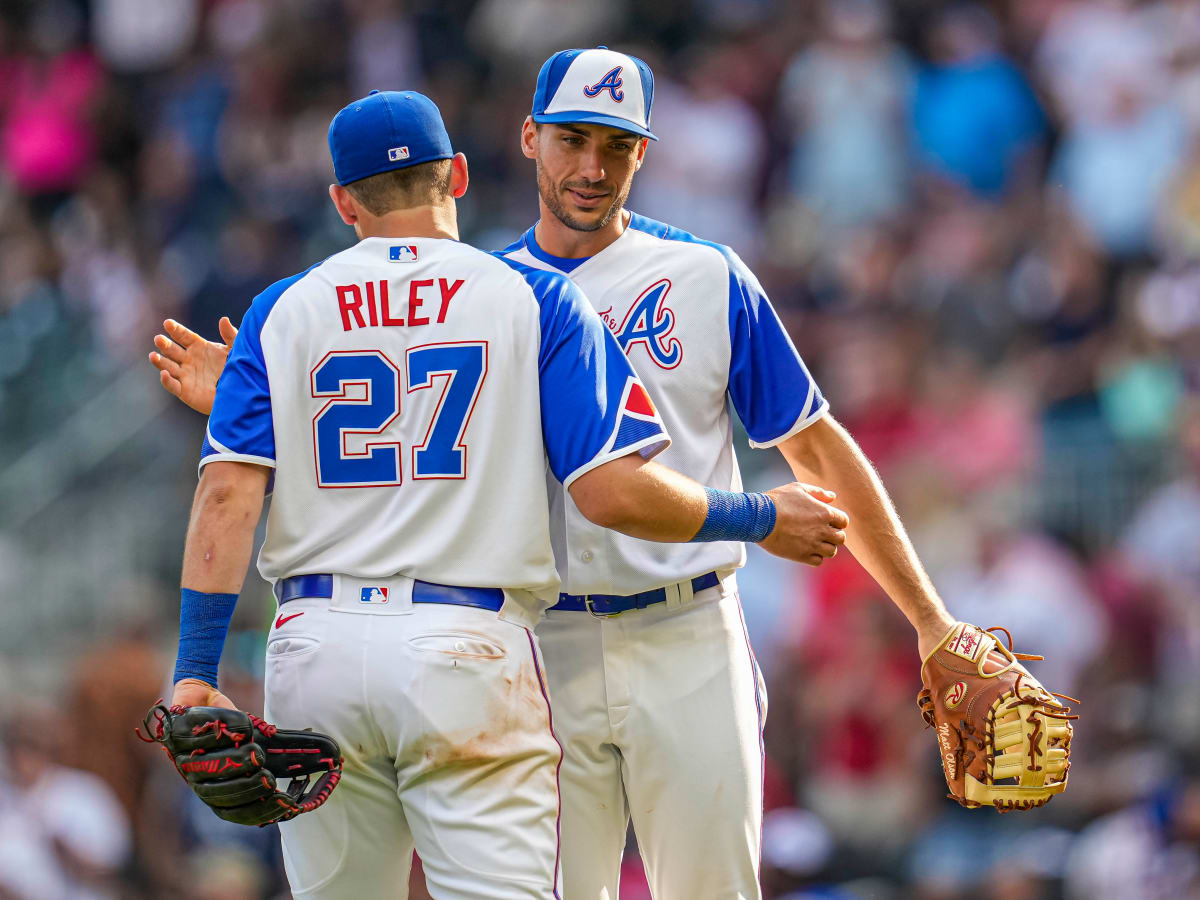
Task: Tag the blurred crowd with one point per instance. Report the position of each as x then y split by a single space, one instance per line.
980 222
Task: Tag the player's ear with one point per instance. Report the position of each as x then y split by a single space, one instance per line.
643 145
529 138
458 175
343 202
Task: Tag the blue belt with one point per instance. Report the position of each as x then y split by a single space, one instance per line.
423 592
612 604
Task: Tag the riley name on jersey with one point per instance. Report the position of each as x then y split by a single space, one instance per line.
375 297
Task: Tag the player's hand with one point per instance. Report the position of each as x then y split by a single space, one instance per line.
807 528
194 692
188 365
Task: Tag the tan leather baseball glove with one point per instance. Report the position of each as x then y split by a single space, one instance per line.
1005 741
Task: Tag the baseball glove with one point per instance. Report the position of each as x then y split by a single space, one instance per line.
232 759
1005 741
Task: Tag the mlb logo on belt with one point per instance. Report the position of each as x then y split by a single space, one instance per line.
373 595
402 253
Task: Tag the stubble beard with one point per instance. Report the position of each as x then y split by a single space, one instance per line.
553 200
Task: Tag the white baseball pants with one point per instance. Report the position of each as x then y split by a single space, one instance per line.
660 714
443 720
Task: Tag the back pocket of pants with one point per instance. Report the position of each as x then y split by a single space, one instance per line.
457 643
291 645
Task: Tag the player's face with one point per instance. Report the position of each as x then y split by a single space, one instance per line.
585 171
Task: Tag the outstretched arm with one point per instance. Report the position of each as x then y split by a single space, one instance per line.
649 501
824 452
188 365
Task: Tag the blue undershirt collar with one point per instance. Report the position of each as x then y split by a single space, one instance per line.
562 263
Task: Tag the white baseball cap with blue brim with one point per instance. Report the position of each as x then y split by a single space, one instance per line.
598 87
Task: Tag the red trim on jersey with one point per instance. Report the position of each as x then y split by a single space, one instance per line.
639 401
537 667
762 747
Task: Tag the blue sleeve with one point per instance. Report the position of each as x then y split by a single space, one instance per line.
594 408
240 427
770 387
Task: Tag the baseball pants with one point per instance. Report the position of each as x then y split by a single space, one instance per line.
444 724
660 715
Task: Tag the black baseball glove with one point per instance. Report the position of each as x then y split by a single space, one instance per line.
232 759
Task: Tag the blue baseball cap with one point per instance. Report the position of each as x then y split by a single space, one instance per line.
386 130
598 86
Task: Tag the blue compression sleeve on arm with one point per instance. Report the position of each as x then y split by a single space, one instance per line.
734 516
203 623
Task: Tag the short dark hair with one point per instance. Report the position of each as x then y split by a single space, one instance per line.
417 185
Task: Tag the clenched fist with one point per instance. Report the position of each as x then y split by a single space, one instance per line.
807 528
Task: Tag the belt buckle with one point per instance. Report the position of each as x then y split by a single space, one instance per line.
587 601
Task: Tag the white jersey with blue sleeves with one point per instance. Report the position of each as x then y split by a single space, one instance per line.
410 395
699 330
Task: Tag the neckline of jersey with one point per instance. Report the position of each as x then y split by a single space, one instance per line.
562 263
406 237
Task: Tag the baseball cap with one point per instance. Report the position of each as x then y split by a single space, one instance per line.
599 86
386 130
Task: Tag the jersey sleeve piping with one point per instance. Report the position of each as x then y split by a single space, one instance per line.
215 451
808 418
235 457
647 448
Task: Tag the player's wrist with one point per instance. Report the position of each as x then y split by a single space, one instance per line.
203 624
736 516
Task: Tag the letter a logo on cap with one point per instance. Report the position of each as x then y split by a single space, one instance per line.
598 87
611 82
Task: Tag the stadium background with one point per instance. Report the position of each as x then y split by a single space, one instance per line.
980 222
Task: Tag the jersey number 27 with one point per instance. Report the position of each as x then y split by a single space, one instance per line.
376 403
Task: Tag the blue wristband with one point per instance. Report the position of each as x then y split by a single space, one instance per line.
203 623
734 516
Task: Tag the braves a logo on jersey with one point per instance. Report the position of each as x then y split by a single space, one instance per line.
649 322
611 82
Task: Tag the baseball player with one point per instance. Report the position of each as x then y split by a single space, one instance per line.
660 709
406 396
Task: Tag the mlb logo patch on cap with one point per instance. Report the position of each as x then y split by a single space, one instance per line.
373 595
599 86
386 130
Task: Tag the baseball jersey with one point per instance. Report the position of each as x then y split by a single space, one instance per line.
410 395
699 330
